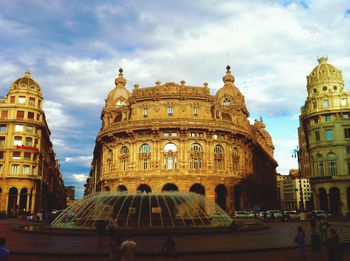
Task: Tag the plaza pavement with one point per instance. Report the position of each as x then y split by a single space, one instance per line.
262 243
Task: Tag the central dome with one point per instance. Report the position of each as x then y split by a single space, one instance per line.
143 210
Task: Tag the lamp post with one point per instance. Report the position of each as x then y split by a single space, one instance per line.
296 154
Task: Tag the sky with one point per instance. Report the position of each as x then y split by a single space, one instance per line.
74 49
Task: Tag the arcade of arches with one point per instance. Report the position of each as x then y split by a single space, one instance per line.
332 199
14 200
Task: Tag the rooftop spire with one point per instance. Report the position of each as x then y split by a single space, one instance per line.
120 80
228 78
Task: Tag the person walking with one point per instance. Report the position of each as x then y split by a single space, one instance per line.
4 252
169 247
324 230
335 250
116 253
300 241
128 249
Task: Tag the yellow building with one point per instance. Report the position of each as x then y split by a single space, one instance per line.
324 138
178 137
30 178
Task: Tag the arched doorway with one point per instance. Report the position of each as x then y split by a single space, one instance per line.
322 199
170 187
197 188
237 197
23 197
348 197
144 188
12 203
122 188
334 201
220 196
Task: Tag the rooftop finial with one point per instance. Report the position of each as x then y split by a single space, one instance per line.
322 59
120 70
228 67
120 79
27 74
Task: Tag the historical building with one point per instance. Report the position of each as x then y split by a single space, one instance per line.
292 190
30 177
70 192
324 138
178 137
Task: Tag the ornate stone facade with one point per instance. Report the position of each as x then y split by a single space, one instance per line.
178 137
30 178
324 138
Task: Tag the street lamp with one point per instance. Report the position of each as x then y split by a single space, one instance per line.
296 154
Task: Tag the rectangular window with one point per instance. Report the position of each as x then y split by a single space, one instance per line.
38 117
39 103
29 129
316 120
346 115
347 133
31 115
33 170
16 155
329 134
145 164
173 134
29 142
314 104
20 114
2 155
26 169
217 114
170 111
17 141
31 101
326 103
2 141
343 102
2 128
27 156
22 100
332 165
348 149
166 134
145 112
15 169
19 128
327 118
317 135
4 114
12 99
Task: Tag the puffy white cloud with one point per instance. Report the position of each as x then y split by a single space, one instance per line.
81 178
81 160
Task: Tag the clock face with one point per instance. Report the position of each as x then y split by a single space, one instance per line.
226 102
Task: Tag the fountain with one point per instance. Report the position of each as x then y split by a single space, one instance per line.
144 211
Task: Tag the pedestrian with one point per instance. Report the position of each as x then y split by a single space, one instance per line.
128 249
112 231
300 241
335 250
323 230
169 247
115 254
4 252
100 230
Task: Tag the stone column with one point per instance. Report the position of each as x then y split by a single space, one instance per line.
32 208
6 201
343 202
230 200
28 200
328 203
316 200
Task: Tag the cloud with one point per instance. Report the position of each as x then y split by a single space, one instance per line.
81 178
81 160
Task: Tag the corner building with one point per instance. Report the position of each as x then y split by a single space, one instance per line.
30 177
324 138
177 137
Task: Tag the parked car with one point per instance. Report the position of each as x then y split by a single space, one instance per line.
291 214
319 214
243 214
276 214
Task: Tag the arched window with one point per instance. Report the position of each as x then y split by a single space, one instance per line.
120 104
124 158
145 148
219 157
170 161
109 160
319 166
145 157
235 159
226 102
332 164
196 156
